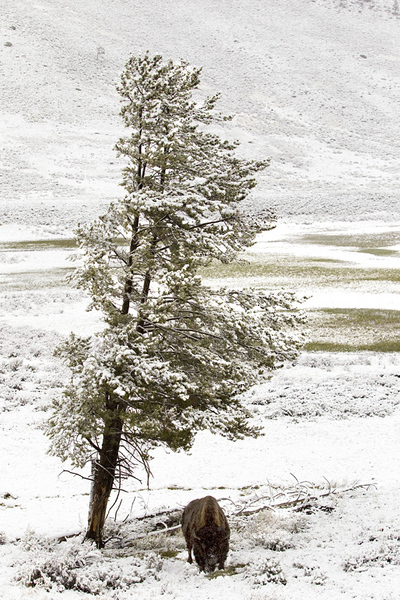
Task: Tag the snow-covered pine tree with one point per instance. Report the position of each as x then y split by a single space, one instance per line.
174 355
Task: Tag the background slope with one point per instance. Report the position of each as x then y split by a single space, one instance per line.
315 85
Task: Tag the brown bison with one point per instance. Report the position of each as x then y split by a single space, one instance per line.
206 530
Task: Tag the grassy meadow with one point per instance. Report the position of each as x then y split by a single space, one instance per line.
346 267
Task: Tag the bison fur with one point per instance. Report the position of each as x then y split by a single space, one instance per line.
206 532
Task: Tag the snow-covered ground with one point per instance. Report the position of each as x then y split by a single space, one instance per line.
315 85
328 418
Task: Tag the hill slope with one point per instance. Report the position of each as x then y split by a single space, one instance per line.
314 84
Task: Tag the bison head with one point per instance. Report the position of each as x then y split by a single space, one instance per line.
210 548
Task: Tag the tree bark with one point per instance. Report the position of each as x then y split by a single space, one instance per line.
104 473
129 282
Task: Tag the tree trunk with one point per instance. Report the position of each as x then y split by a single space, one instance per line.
104 473
129 282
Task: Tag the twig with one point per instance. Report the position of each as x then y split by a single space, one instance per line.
247 506
227 500
157 532
117 509
130 511
75 474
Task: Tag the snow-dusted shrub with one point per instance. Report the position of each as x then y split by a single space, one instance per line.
160 543
75 566
265 571
317 577
270 530
327 384
145 535
260 594
34 542
277 540
377 554
49 569
26 379
3 538
388 9
15 364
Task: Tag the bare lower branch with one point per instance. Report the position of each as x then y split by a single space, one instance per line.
75 474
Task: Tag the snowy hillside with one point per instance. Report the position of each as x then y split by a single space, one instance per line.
313 84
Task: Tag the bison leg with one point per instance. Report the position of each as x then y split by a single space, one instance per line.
189 547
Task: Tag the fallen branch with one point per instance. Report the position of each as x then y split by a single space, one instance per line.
156 532
296 497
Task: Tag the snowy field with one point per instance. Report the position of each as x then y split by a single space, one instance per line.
315 85
332 419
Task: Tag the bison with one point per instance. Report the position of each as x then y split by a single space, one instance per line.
206 531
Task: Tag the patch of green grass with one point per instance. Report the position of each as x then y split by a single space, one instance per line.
63 244
37 280
354 240
327 261
247 488
168 553
349 330
53 244
277 266
227 572
379 251
384 346
294 271
362 316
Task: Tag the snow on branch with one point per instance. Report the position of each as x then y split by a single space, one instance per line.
301 495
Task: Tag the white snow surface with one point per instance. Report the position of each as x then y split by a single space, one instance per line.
312 84
315 86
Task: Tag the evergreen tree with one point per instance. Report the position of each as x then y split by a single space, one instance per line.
174 355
